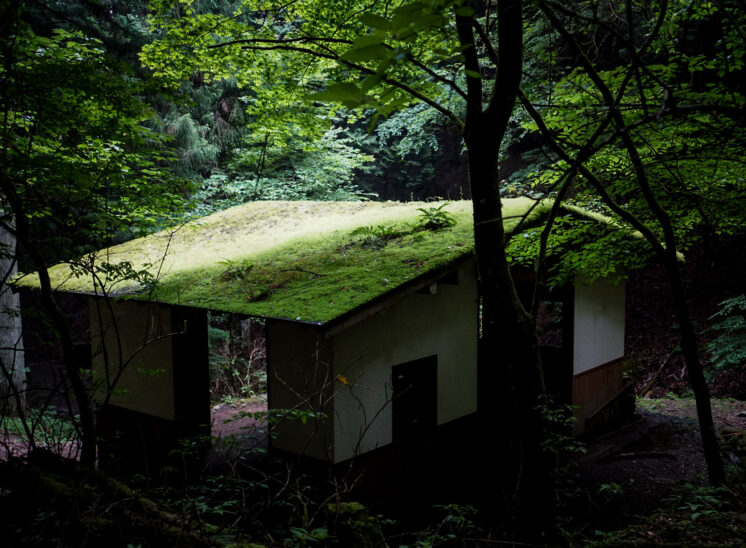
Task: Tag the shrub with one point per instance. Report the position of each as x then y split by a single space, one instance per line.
728 349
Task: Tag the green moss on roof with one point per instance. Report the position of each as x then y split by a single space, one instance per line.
296 260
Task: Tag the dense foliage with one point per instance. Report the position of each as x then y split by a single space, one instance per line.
683 105
81 165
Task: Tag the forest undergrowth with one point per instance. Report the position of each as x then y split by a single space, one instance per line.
645 485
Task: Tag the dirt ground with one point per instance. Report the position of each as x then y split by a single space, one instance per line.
630 471
625 472
238 428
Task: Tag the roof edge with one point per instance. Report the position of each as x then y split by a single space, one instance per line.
367 309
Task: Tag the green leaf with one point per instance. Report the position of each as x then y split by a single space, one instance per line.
375 21
373 121
374 39
372 81
368 53
344 92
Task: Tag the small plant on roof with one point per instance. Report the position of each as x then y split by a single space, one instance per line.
375 237
236 271
435 218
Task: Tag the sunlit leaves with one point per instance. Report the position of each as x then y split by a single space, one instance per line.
582 246
674 109
334 51
76 150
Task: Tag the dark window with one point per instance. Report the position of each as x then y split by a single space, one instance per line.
414 403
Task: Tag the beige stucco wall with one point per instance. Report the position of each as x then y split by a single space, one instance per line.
299 379
598 324
137 342
416 326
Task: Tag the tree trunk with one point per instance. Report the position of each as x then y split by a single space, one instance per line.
239 341
12 363
510 393
87 422
715 469
667 254
510 382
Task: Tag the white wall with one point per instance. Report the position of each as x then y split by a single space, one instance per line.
598 324
142 346
299 378
417 326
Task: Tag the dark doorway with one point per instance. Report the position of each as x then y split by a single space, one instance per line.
414 404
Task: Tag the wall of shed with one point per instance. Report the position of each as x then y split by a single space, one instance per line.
134 342
593 390
299 379
598 325
417 326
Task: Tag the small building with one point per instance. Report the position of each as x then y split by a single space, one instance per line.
372 323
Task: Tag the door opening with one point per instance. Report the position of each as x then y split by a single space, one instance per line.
414 405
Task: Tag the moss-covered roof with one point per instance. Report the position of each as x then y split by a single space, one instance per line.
306 261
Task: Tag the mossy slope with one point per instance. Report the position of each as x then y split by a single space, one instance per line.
296 260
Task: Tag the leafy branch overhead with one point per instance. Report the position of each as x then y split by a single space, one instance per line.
392 50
